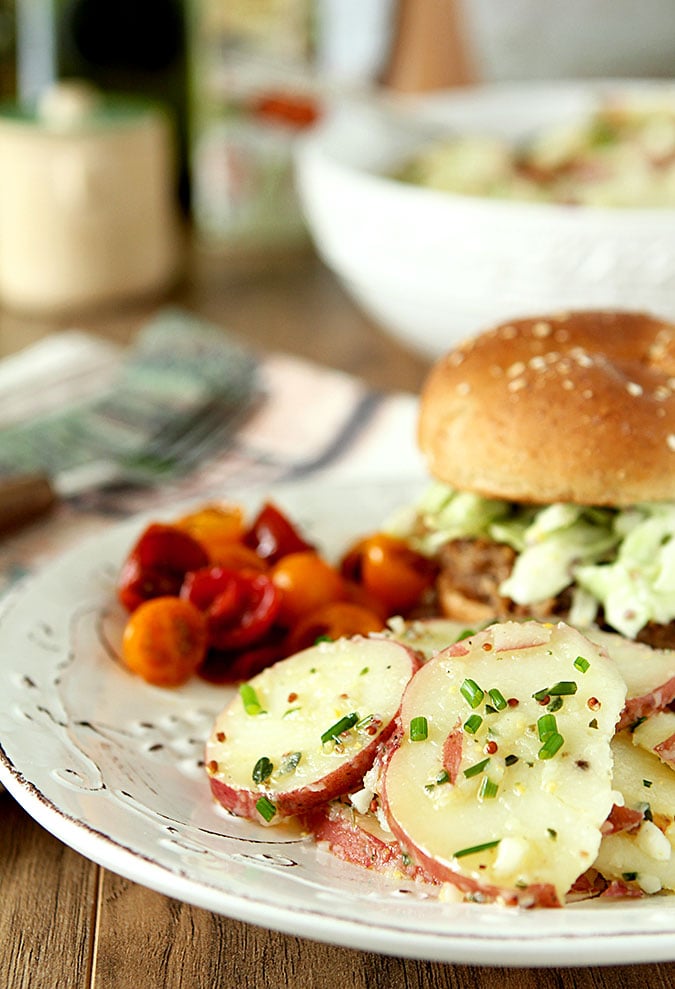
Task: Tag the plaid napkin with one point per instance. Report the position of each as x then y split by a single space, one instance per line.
311 422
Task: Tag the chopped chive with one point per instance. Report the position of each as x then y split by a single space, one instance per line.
497 698
322 638
344 724
489 709
629 877
476 769
289 763
488 788
546 725
250 699
474 849
471 692
419 729
366 669
265 808
647 783
581 664
473 723
593 723
510 760
552 833
465 634
551 745
563 689
541 695
262 770
443 777
555 704
291 710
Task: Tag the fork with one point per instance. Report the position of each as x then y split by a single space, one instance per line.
175 402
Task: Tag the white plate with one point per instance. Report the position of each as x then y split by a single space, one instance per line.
111 766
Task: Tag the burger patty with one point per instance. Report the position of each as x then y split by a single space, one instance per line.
471 573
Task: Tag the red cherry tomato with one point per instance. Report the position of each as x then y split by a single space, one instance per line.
272 535
240 606
157 564
231 666
390 570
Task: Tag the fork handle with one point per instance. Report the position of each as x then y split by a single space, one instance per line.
24 498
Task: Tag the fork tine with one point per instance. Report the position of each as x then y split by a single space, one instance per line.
176 451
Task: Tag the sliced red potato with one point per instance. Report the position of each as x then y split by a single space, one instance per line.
501 779
428 635
361 840
643 857
657 735
307 729
649 674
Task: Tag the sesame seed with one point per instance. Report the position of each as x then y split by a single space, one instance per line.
633 388
670 442
463 388
587 393
496 370
509 332
583 359
568 384
662 393
552 357
537 363
515 370
561 336
456 358
541 329
517 384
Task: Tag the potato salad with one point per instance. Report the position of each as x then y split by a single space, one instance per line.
524 763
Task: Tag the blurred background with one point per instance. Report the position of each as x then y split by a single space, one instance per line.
183 115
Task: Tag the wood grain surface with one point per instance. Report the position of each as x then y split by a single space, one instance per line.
64 921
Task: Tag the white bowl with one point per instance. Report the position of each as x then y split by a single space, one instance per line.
432 267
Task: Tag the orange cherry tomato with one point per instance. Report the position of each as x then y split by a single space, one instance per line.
332 621
236 556
390 570
306 581
215 527
165 641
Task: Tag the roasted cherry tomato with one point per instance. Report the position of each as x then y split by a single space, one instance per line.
272 535
231 666
240 607
157 564
390 570
331 621
305 581
165 641
236 556
215 526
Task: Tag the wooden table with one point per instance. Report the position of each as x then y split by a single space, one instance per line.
64 921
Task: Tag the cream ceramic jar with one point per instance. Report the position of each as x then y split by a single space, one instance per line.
88 209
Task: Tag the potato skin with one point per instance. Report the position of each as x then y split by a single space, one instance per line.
294 803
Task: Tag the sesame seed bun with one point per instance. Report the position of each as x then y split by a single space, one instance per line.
577 407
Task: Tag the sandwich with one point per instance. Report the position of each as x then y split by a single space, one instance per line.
551 444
